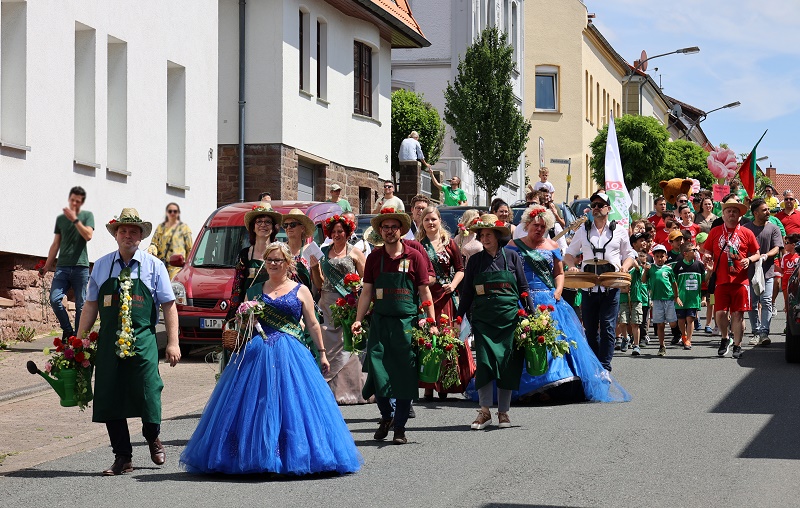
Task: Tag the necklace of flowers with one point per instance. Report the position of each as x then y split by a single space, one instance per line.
126 338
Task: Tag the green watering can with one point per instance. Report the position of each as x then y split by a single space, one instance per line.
63 382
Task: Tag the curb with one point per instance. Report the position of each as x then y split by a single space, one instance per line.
21 392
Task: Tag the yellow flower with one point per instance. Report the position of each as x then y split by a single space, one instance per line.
124 307
128 297
127 329
46 351
121 341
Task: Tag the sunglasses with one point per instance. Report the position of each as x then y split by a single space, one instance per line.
173 211
788 199
597 205
388 186
290 225
273 261
683 201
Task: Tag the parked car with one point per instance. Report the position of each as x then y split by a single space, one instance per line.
362 223
203 286
579 205
452 214
793 318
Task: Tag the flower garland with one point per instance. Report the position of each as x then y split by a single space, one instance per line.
480 224
537 212
330 222
126 340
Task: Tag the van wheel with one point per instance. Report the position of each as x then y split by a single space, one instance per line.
185 350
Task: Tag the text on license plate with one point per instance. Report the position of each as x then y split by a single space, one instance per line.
212 323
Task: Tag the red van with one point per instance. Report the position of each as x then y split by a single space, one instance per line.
203 287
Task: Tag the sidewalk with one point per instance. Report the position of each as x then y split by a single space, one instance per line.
34 428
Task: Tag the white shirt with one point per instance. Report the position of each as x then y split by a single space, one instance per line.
410 150
392 202
617 245
544 185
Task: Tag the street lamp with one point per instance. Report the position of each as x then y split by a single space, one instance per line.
705 115
642 65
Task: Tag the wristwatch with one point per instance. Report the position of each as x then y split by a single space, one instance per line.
76 221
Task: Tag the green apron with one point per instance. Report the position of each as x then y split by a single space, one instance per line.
494 319
390 362
127 387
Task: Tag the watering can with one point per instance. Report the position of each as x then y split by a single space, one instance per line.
63 382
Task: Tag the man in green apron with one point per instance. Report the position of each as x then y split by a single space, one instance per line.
391 276
125 289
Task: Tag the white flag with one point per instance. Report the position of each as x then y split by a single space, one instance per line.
615 182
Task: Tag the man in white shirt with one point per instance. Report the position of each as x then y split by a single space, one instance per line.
389 200
605 247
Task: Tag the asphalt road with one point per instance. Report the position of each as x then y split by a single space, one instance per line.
700 431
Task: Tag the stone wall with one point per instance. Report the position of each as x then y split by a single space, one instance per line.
273 168
22 301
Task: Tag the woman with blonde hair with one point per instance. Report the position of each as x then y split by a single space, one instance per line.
466 240
272 411
171 237
449 267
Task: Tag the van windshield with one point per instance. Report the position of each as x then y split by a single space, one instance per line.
219 247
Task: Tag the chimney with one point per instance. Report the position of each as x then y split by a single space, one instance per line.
771 172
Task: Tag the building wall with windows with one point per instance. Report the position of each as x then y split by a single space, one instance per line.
117 97
307 124
452 26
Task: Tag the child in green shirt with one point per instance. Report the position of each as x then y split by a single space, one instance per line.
689 273
664 289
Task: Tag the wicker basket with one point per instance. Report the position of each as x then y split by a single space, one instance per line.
230 337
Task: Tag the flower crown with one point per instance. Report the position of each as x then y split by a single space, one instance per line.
537 212
387 210
479 224
261 208
125 219
330 222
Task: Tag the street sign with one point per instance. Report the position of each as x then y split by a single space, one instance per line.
559 161
541 152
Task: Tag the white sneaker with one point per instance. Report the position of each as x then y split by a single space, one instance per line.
754 340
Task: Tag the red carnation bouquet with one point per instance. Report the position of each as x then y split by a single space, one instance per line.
344 311
438 353
76 354
538 328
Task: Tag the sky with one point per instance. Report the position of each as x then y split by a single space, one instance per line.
749 52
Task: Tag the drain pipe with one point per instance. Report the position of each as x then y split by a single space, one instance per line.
241 97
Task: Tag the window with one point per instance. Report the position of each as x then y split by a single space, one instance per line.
304 47
362 92
322 60
84 95
13 49
586 87
546 88
176 126
117 111
591 100
514 34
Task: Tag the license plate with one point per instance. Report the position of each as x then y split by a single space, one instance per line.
212 323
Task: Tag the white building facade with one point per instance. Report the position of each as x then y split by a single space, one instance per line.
116 97
452 26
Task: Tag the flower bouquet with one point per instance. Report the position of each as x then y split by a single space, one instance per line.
69 369
536 334
343 313
245 321
451 344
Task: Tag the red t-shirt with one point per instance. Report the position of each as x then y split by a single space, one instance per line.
662 235
693 228
791 222
416 267
745 243
788 263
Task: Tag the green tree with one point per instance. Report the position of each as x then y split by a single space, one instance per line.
685 160
488 128
642 150
410 112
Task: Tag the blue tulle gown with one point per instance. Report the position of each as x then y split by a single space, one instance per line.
580 364
272 412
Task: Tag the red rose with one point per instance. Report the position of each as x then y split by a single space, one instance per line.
540 339
387 210
336 217
427 303
448 347
75 342
57 342
340 302
524 294
443 320
458 319
430 320
112 221
93 336
542 307
551 308
39 265
521 312
421 341
80 357
500 223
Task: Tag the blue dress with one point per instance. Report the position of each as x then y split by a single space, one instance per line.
272 411
580 364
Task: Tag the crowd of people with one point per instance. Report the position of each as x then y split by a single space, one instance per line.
274 408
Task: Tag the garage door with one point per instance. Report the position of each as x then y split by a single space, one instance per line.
305 182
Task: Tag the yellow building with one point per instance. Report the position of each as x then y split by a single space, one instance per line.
574 82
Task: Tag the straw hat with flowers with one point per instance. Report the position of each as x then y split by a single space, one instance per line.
129 216
389 213
490 221
263 208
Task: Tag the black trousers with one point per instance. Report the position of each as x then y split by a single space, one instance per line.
121 438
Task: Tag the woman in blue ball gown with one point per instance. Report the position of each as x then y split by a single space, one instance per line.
544 271
272 411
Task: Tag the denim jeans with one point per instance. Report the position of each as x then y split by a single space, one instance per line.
761 326
77 278
399 412
600 311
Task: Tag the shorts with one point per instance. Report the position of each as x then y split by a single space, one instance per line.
684 313
664 311
732 297
630 314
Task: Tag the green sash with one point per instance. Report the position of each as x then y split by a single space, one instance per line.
441 277
274 318
538 263
334 276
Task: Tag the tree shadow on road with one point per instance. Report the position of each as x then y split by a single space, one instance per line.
770 388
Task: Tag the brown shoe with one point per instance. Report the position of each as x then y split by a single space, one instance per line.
383 429
157 452
502 420
120 466
399 437
482 421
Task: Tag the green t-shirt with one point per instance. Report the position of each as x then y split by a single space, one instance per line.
690 279
72 251
453 197
639 291
660 280
343 204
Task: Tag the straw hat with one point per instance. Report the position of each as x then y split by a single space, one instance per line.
129 216
490 221
263 208
389 213
295 213
371 235
732 203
